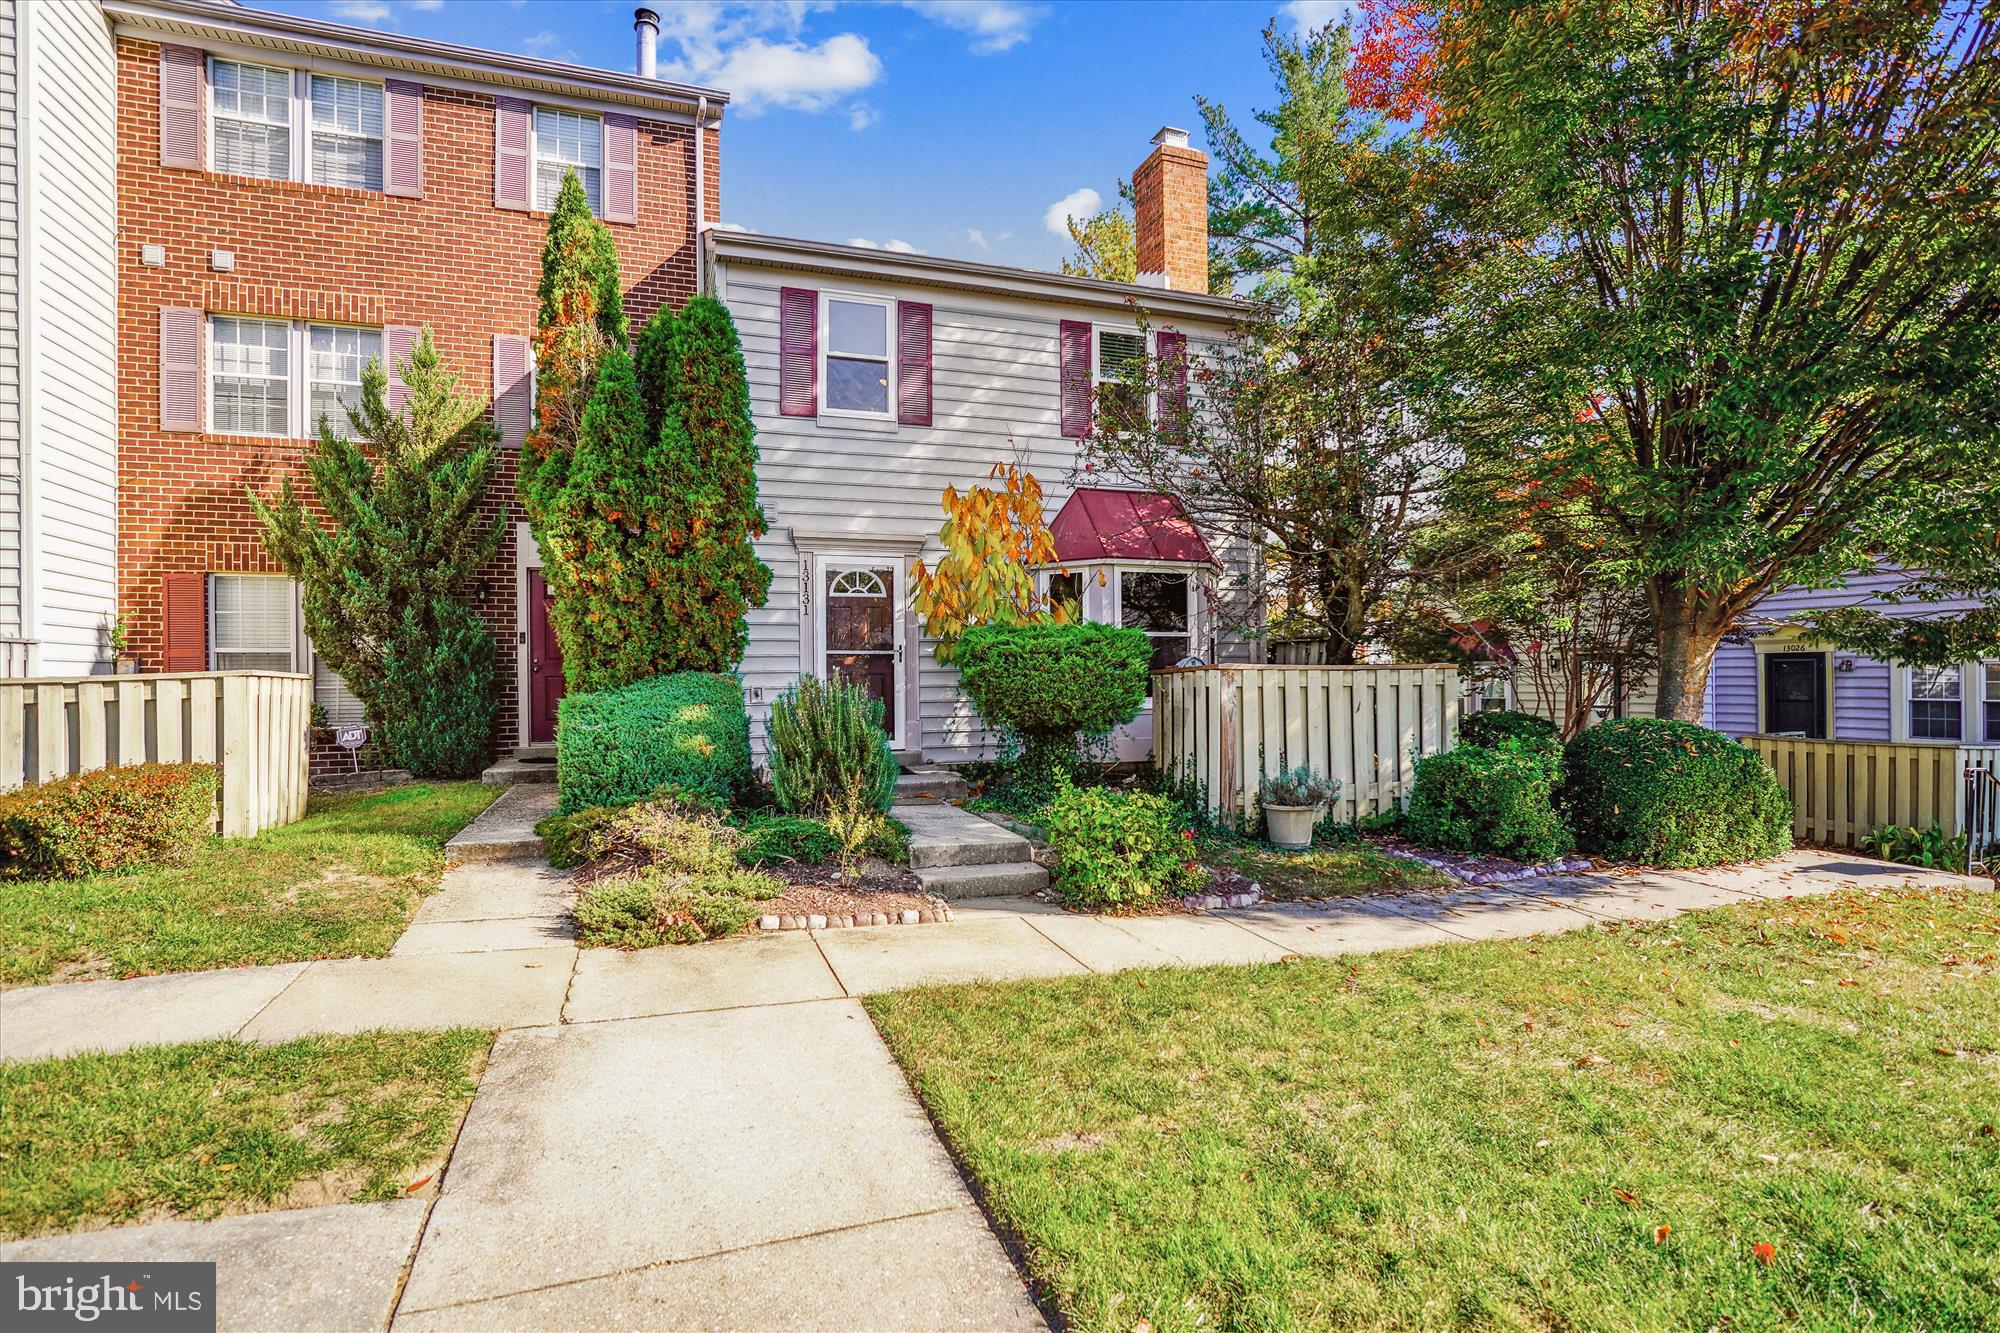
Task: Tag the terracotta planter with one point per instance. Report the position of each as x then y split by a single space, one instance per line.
1290 827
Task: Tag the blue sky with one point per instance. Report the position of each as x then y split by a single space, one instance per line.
961 129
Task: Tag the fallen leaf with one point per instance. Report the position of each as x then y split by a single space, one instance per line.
1765 1251
1626 1197
1943 1050
1770 1157
225 1166
1143 1326
1660 1233
418 1184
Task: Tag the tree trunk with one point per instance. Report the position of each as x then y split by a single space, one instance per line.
1690 626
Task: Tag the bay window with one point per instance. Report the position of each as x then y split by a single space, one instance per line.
1159 603
1989 698
857 358
568 141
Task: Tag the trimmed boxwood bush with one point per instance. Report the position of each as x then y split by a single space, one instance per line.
686 730
106 819
1490 727
1119 849
1053 684
1658 792
1500 801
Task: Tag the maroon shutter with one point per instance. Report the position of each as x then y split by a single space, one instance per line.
1170 351
913 363
398 341
183 74
1074 378
184 622
798 352
180 368
403 139
513 126
512 388
621 169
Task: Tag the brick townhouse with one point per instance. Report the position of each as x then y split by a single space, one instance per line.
297 196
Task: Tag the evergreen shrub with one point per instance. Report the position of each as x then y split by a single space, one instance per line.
1051 685
1659 792
1498 800
824 739
685 730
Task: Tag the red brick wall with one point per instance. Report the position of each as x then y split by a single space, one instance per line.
450 261
1170 217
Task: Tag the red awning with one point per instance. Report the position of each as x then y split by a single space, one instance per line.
1127 525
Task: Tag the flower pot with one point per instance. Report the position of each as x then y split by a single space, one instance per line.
1290 827
127 665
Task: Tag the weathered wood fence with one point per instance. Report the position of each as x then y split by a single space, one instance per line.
1842 790
1225 727
253 723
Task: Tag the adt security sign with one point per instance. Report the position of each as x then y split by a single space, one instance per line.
351 738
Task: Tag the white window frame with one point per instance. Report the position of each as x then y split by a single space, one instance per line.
1988 676
299 381
536 157
296 634
1904 682
299 128
1192 573
888 309
1097 376
1475 693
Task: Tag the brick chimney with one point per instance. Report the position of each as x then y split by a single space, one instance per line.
1170 214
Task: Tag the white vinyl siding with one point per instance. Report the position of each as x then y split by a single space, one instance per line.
346 133
250 119
565 141
252 623
58 503
876 484
11 518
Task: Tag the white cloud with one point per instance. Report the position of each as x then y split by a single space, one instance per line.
861 115
898 247
993 25
426 6
729 226
546 45
977 237
361 11
1319 13
760 55
1076 204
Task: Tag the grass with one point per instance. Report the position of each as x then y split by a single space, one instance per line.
1594 1131
341 882
224 1127
1329 870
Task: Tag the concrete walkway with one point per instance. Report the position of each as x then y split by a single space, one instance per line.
713 1137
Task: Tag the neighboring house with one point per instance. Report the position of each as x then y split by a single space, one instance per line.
58 336
877 379
295 197
1773 683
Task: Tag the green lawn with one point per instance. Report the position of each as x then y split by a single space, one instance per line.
1329 870
341 882
225 1127
1591 1131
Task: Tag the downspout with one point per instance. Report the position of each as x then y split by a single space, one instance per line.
704 278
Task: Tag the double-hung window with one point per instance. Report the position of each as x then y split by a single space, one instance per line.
1936 703
1989 698
346 133
276 377
1121 371
568 141
1159 603
251 119
252 623
858 365
1485 692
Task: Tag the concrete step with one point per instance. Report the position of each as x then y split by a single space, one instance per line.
943 835
930 785
539 752
505 830
984 881
518 772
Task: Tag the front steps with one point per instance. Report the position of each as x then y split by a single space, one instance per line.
959 855
920 783
529 764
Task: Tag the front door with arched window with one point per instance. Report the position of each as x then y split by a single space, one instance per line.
861 629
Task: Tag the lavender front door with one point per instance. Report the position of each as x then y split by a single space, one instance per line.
545 669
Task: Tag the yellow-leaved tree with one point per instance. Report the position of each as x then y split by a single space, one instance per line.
994 540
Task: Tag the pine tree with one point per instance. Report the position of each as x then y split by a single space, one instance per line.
652 358
383 583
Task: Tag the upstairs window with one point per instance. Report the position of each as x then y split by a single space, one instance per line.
336 354
1936 703
251 119
857 356
568 141
1121 369
346 133
249 376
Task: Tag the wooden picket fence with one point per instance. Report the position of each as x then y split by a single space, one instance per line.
1225 727
1842 790
254 724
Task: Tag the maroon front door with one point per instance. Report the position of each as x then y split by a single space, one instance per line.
545 672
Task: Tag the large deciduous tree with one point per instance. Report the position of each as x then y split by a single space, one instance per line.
383 582
1740 296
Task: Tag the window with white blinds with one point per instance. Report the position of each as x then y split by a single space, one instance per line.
251 119
568 141
252 623
275 377
330 692
346 133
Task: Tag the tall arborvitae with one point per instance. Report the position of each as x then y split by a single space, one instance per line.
383 584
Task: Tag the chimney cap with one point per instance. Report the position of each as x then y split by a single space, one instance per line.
646 17
1171 137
